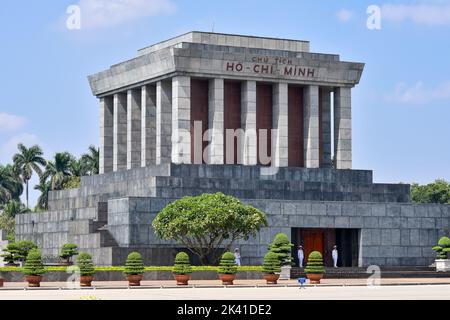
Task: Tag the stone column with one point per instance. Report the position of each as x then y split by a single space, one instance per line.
163 121
134 128
148 125
311 127
106 134
120 132
248 109
181 119
216 121
325 97
280 124
343 128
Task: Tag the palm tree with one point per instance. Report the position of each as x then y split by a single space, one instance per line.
78 168
91 160
27 161
58 170
13 208
44 187
11 186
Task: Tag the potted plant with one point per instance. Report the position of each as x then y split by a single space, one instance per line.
24 247
271 268
227 268
33 268
11 255
282 247
314 268
182 269
134 269
68 250
442 249
87 270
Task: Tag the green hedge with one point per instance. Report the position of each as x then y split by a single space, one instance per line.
147 269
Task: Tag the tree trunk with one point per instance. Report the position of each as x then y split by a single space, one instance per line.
26 182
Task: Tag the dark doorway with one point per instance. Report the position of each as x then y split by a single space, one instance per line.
295 126
199 113
264 121
232 119
323 240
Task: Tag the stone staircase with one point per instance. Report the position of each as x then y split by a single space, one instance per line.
386 272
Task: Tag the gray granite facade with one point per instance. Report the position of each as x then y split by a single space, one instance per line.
146 162
392 230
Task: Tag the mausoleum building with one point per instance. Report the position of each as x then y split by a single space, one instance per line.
262 119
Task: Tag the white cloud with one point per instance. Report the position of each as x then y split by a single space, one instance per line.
108 13
419 94
9 148
10 122
344 15
424 14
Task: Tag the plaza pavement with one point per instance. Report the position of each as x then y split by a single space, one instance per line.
330 289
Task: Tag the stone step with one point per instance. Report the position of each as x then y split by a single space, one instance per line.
386 272
176 187
267 173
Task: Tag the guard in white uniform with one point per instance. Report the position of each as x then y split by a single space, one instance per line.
334 254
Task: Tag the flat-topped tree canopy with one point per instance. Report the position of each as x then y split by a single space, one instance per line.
215 55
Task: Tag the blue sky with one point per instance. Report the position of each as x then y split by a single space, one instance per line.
401 109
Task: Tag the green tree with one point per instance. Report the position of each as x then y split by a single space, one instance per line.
11 187
435 192
33 264
315 263
91 160
134 264
84 262
77 168
281 246
227 264
29 160
182 264
58 170
13 208
44 187
208 223
8 224
271 263
68 250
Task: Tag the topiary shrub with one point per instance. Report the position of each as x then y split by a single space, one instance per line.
443 248
68 251
84 262
11 254
134 264
24 247
281 246
33 264
227 264
315 263
271 264
182 264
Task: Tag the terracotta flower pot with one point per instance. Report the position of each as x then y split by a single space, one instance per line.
314 278
134 280
182 279
271 278
227 279
34 281
86 281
